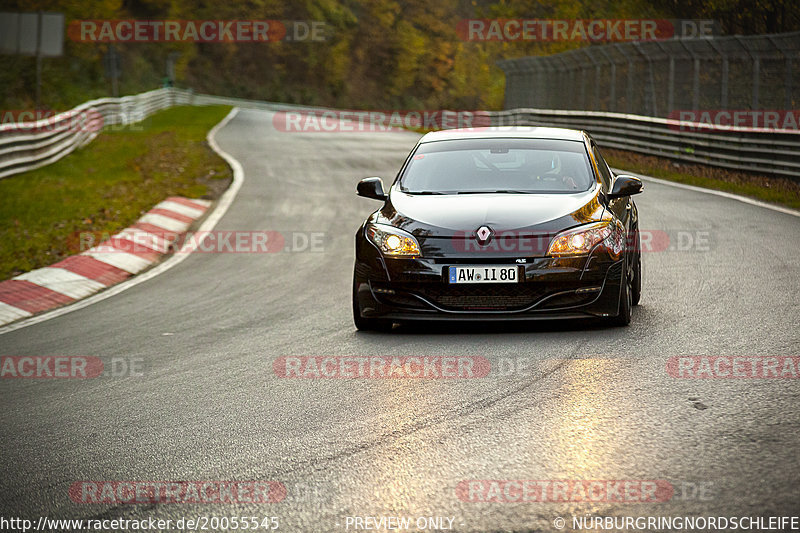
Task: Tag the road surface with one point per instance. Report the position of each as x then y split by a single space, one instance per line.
591 403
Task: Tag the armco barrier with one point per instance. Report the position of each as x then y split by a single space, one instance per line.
775 152
770 152
30 145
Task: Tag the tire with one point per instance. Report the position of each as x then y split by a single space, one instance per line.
625 300
636 286
367 324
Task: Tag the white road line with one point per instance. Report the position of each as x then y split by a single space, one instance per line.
213 218
63 281
743 199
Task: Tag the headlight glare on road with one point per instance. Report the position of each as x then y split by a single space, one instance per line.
393 241
583 239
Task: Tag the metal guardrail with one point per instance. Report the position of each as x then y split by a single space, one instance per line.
28 145
767 152
208 99
773 152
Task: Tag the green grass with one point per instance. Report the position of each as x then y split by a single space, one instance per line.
107 185
780 191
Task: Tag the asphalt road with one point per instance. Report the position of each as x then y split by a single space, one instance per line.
593 403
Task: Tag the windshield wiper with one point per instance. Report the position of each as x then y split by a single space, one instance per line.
425 192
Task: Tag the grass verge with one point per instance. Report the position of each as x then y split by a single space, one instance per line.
108 185
781 191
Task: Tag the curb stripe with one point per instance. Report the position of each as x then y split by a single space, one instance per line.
171 214
190 212
128 262
128 252
63 281
93 269
140 237
124 244
155 230
30 297
195 204
165 223
220 208
9 313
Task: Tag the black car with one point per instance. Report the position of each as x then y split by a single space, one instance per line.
507 223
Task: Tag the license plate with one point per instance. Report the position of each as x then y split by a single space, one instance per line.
483 274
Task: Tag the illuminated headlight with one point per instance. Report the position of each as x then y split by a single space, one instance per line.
392 241
583 239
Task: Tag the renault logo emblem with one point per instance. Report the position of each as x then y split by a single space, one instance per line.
484 234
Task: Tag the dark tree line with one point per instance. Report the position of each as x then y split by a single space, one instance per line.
377 53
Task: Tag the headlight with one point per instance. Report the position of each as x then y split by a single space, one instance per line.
392 241
583 239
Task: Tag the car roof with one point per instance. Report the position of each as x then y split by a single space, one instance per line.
506 132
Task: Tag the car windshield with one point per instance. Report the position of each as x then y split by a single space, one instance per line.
474 166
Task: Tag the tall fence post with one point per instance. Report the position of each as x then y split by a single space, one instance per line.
756 79
661 76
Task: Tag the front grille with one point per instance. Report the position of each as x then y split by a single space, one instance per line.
487 297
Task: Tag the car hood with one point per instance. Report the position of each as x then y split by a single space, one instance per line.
442 216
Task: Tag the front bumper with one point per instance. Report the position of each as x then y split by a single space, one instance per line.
550 288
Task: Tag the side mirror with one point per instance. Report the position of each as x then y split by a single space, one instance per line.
625 185
371 188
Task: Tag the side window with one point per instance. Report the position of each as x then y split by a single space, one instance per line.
605 173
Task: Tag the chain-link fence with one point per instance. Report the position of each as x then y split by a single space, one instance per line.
656 78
